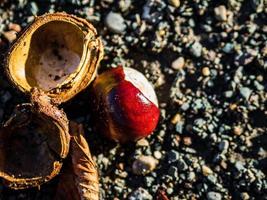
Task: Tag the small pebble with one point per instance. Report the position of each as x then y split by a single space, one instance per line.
206 170
157 155
140 194
239 166
142 143
181 164
120 166
187 141
173 156
115 22
179 127
173 171
191 176
205 71
196 49
228 94
228 48
220 13
125 5
178 63
34 8
144 165
148 181
175 3
223 146
185 106
105 162
245 196
169 191
176 118
14 27
258 5
245 92
10 35
214 196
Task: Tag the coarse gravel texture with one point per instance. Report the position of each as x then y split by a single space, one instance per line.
208 62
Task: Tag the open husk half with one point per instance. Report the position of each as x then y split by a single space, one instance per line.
33 143
58 53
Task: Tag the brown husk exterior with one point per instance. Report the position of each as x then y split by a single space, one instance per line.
40 106
93 52
79 178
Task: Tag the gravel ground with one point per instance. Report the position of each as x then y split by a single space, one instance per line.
208 62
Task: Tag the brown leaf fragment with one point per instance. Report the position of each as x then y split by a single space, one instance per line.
79 179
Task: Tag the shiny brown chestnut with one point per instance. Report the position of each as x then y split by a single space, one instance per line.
125 104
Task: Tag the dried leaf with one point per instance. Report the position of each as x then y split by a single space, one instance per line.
79 180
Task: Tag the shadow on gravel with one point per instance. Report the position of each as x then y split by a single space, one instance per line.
258 118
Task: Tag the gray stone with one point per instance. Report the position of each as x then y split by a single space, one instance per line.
223 146
149 181
179 127
239 166
197 104
199 122
185 106
228 48
125 5
142 143
21 3
34 9
196 49
105 162
258 86
245 196
191 176
144 165
178 63
214 196
140 194
212 178
181 164
173 156
157 154
228 94
10 35
118 189
173 171
245 92
169 191
115 22
175 3
220 13
258 5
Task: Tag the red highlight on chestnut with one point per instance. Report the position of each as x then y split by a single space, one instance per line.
127 105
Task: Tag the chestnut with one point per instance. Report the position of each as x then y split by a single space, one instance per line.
125 104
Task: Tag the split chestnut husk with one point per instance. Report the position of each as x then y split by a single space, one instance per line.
33 143
58 53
